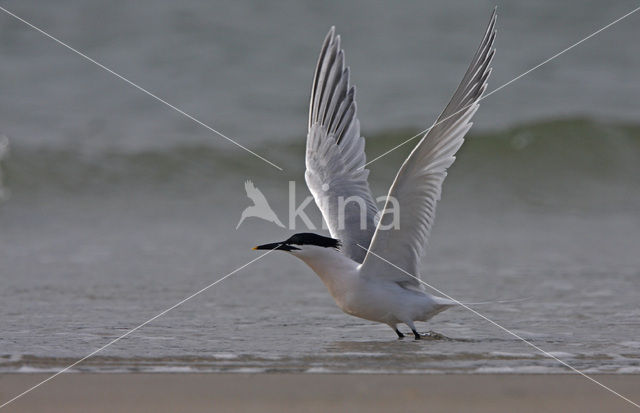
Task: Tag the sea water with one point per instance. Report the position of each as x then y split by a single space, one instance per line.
115 207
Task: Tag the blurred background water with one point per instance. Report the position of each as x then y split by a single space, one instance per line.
115 207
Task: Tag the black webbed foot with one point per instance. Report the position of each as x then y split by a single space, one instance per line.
400 335
416 334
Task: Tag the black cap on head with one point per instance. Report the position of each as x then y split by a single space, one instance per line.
304 238
308 238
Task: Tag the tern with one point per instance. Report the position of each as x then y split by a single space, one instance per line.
372 271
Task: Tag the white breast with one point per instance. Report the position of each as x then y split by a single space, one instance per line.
373 299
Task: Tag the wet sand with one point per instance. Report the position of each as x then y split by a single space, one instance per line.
166 392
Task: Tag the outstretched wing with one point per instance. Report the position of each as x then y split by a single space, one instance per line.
418 184
335 155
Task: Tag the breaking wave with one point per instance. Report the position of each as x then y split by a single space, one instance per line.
559 154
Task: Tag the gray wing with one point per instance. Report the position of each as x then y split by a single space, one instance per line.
335 156
418 185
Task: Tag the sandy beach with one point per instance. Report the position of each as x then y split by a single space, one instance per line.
85 392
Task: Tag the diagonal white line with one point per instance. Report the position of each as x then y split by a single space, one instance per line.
100 65
564 363
115 340
504 85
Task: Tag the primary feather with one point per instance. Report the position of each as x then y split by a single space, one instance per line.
335 156
418 184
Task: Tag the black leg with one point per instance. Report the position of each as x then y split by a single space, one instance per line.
400 335
416 334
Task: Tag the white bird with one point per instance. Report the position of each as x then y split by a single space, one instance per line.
260 207
370 271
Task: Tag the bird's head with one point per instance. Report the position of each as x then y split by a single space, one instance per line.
303 244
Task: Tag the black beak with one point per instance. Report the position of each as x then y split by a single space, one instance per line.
276 246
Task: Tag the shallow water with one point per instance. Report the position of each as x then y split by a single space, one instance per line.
115 209
84 261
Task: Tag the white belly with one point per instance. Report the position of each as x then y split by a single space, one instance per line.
387 302
381 300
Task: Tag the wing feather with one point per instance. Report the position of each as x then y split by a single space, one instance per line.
418 184
335 155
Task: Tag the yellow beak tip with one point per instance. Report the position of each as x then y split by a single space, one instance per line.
254 248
